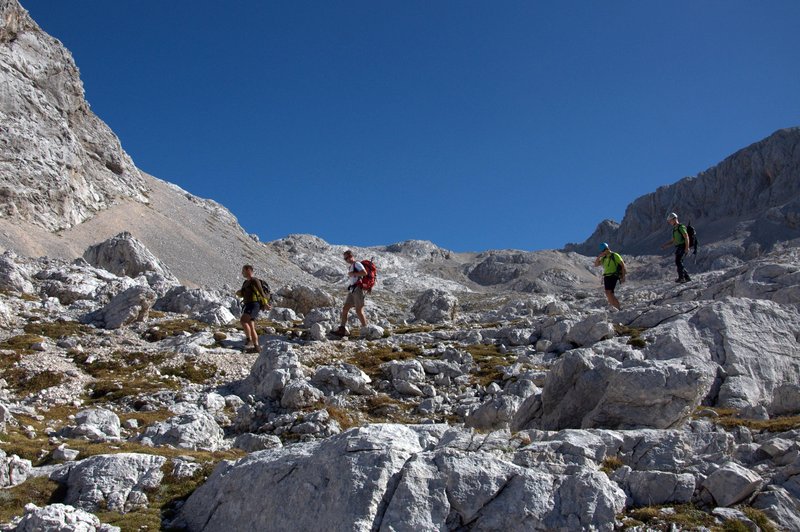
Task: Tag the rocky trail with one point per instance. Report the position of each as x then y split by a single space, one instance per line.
121 395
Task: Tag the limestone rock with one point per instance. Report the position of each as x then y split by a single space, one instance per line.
12 277
435 306
275 367
125 255
194 430
300 394
732 483
13 470
304 299
61 164
251 443
118 482
130 306
342 377
60 518
97 424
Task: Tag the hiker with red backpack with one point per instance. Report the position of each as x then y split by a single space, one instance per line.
360 280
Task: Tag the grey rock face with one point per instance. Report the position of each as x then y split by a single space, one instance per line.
97 424
755 190
304 299
13 470
124 255
732 483
658 394
256 442
202 305
399 478
118 481
60 163
196 429
60 518
12 277
435 306
342 377
275 367
130 306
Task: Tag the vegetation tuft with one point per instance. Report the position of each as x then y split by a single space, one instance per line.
58 329
192 370
487 358
22 344
370 360
176 327
635 334
730 418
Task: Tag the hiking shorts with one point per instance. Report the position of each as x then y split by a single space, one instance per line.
610 282
355 298
252 309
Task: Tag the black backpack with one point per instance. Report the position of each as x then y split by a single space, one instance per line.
692 234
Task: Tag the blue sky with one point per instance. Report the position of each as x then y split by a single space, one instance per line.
477 125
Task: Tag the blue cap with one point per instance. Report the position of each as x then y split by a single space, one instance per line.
603 246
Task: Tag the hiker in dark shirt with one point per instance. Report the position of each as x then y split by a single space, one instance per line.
680 240
254 293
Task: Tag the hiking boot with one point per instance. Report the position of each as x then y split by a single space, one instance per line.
341 331
249 345
686 279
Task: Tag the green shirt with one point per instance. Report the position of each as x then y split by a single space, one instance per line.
611 263
679 235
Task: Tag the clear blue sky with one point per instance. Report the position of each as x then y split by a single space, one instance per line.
477 125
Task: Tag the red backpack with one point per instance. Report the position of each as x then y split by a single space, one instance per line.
368 281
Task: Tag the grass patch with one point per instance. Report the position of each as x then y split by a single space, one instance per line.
383 409
611 464
487 358
635 333
22 343
686 517
759 518
41 491
23 382
166 329
345 419
370 360
118 362
730 419
58 329
193 371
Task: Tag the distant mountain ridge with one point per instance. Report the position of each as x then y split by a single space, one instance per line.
742 206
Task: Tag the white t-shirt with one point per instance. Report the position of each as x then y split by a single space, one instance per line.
356 266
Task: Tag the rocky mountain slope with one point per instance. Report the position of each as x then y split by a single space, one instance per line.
490 391
742 207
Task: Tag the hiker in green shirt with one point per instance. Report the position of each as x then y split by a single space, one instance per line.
680 239
613 272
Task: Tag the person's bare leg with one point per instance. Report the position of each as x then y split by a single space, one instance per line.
612 299
361 316
252 332
345 312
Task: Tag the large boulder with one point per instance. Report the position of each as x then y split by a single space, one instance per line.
400 477
435 306
635 394
12 277
202 305
13 470
130 306
124 255
304 299
97 424
117 482
60 518
732 483
195 429
277 364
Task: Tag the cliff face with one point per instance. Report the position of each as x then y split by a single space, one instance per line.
750 200
60 163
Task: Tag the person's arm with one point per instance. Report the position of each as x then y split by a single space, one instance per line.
623 271
598 259
358 270
667 244
685 234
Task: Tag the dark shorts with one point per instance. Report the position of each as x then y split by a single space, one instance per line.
252 309
610 282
